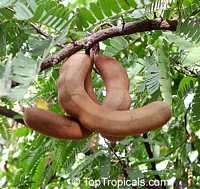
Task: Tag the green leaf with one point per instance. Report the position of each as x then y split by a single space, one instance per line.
185 85
103 10
135 174
85 17
116 45
39 173
131 3
23 131
6 3
37 47
24 69
192 56
22 11
18 93
111 51
123 4
2 70
189 29
195 113
151 75
105 167
152 79
182 43
2 43
115 6
105 6
165 78
32 4
119 43
5 80
96 11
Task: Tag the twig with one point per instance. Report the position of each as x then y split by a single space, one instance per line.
123 165
39 31
11 114
149 151
187 71
150 155
183 69
123 23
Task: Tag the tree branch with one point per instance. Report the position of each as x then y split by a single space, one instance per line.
38 30
125 29
45 35
88 42
150 155
11 114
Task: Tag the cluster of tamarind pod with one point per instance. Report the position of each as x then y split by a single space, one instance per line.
85 114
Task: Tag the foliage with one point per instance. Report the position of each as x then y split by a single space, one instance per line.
161 66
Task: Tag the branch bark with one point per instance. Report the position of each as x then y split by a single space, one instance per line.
11 114
88 42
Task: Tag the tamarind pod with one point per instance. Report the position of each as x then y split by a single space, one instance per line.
88 85
117 98
54 125
101 119
116 82
90 91
78 72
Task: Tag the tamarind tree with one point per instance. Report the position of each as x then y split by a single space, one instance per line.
156 41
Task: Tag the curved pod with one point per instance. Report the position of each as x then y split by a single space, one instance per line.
98 118
54 125
116 82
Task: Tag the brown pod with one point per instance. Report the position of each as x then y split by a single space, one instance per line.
74 99
116 82
54 125
88 85
117 85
